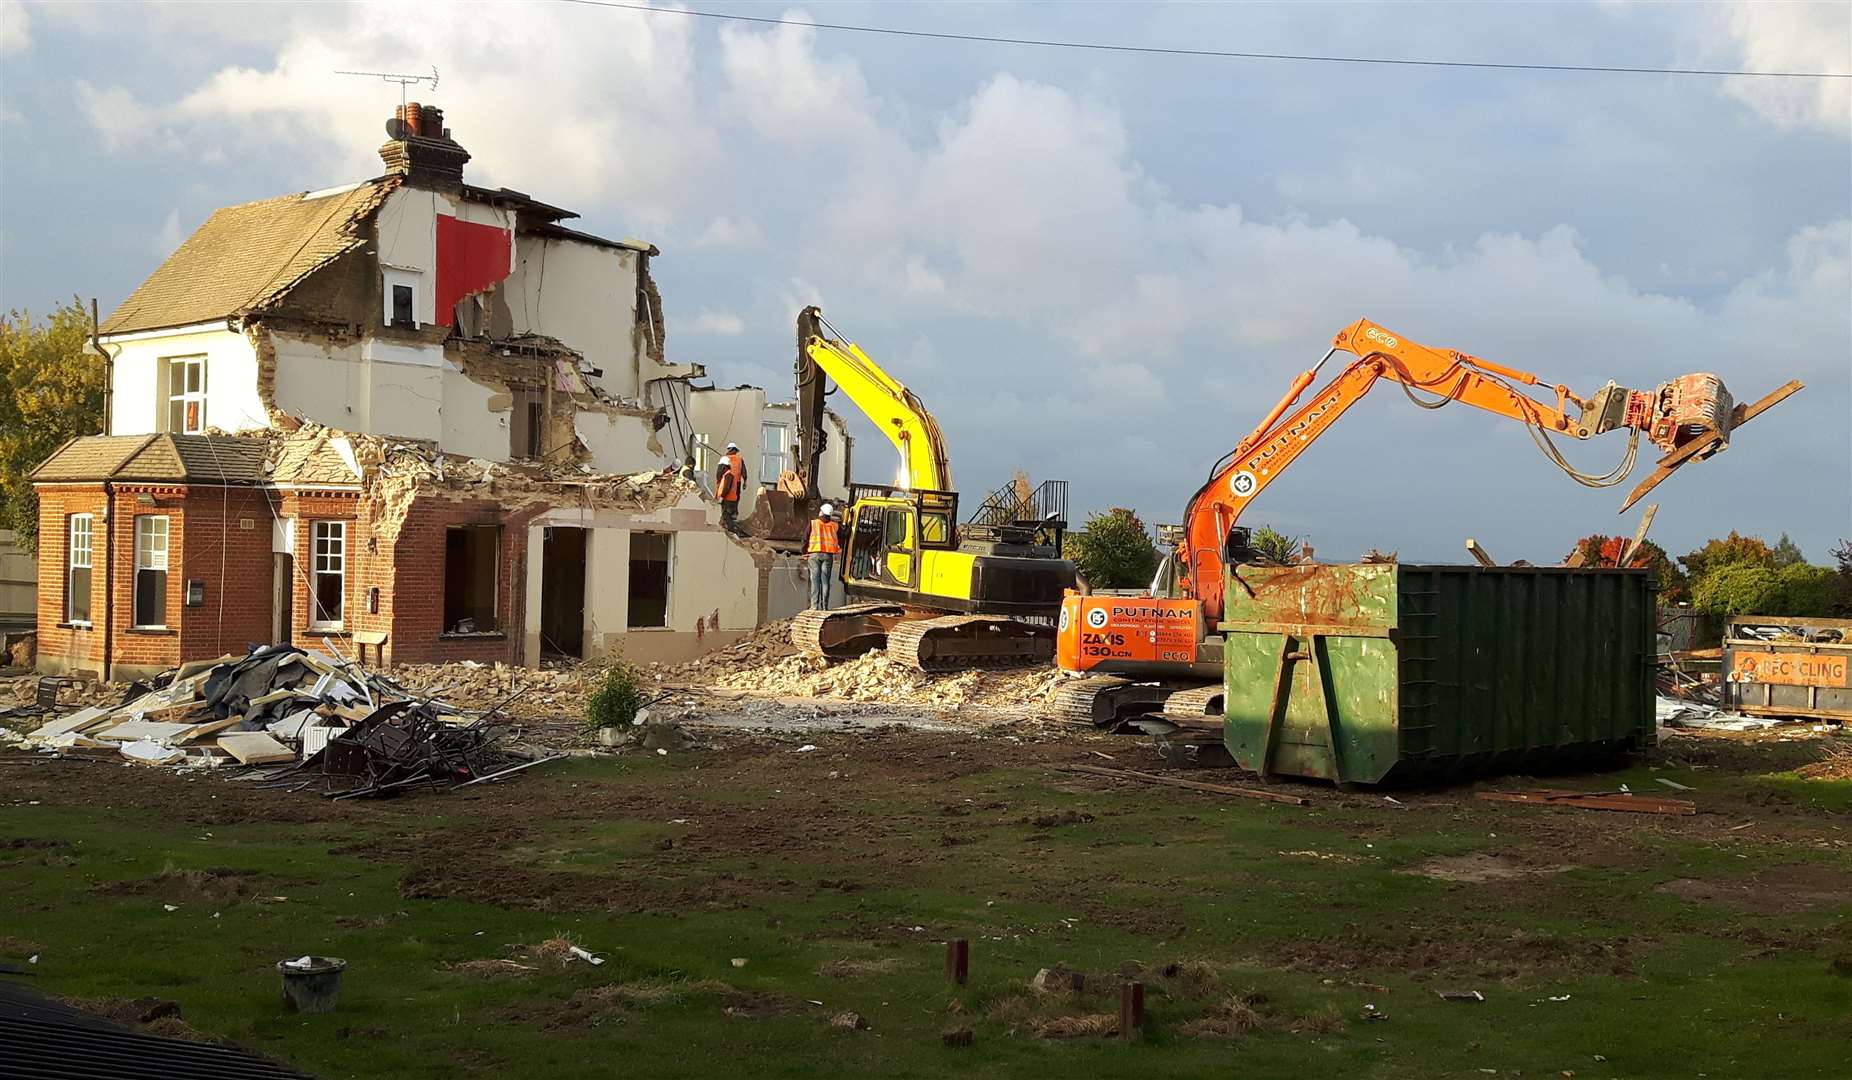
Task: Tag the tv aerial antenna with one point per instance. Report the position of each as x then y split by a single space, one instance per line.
404 80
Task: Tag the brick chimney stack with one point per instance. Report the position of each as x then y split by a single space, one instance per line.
421 147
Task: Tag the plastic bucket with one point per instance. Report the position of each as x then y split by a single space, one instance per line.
312 989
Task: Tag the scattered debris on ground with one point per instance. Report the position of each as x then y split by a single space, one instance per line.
323 719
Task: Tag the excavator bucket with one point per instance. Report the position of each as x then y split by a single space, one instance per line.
1692 424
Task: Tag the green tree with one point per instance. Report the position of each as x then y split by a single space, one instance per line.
1757 588
1735 548
1114 551
1842 584
50 391
1273 544
1787 552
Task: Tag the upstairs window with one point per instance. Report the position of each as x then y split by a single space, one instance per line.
401 295
186 395
151 572
77 576
329 579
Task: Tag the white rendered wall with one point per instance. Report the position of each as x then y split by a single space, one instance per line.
138 405
584 295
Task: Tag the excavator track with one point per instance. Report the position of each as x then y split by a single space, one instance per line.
951 642
1195 701
1105 700
846 632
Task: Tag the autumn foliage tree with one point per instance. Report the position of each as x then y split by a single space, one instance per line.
50 391
1599 550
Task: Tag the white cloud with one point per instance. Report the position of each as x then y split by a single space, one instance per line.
607 114
15 27
122 122
1802 37
170 237
731 232
719 323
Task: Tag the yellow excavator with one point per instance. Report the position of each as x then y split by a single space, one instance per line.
939 594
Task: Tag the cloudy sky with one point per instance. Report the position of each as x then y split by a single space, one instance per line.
1096 266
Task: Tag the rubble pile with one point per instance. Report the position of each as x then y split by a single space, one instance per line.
548 692
877 677
766 645
283 706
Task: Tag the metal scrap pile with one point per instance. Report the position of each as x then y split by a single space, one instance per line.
322 719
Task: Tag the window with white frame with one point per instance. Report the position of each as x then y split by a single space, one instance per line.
77 575
328 556
401 297
151 571
186 394
774 451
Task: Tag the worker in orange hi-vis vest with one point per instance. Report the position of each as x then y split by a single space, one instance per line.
729 481
824 545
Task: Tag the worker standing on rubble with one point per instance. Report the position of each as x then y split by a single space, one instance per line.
729 481
822 548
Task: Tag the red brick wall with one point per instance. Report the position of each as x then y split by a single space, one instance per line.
224 542
415 602
223 537
362 566
66 647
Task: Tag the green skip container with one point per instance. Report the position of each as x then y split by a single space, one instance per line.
1373 673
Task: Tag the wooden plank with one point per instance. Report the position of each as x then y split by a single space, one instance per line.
1478 551
213 727
1595 800
135 730
1192 785
1639 535
77 721
1740 416
255 748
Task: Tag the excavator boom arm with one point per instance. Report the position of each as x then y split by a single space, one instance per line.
1690 418
894 409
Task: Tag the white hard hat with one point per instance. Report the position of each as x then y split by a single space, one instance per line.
733 446
827 510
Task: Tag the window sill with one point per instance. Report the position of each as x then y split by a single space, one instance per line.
152 631
329 631
646 630
474 635
77 626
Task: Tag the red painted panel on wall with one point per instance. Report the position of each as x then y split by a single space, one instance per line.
470 258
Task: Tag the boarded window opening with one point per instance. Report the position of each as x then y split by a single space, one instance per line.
330 575
649 580
77 581
469 578
151 572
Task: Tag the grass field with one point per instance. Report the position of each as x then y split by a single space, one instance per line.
1605 944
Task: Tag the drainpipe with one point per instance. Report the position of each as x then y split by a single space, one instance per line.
109 579
109 369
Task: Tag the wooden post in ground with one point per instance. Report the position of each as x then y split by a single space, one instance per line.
1131 1009
958 960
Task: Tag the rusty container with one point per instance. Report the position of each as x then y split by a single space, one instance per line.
1780 666
1384 672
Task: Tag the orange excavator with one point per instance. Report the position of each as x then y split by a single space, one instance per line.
1158 651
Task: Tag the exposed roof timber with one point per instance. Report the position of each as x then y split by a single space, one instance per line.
564 233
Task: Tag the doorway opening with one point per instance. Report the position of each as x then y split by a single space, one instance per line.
562 592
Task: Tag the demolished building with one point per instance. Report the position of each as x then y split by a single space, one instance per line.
415 414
